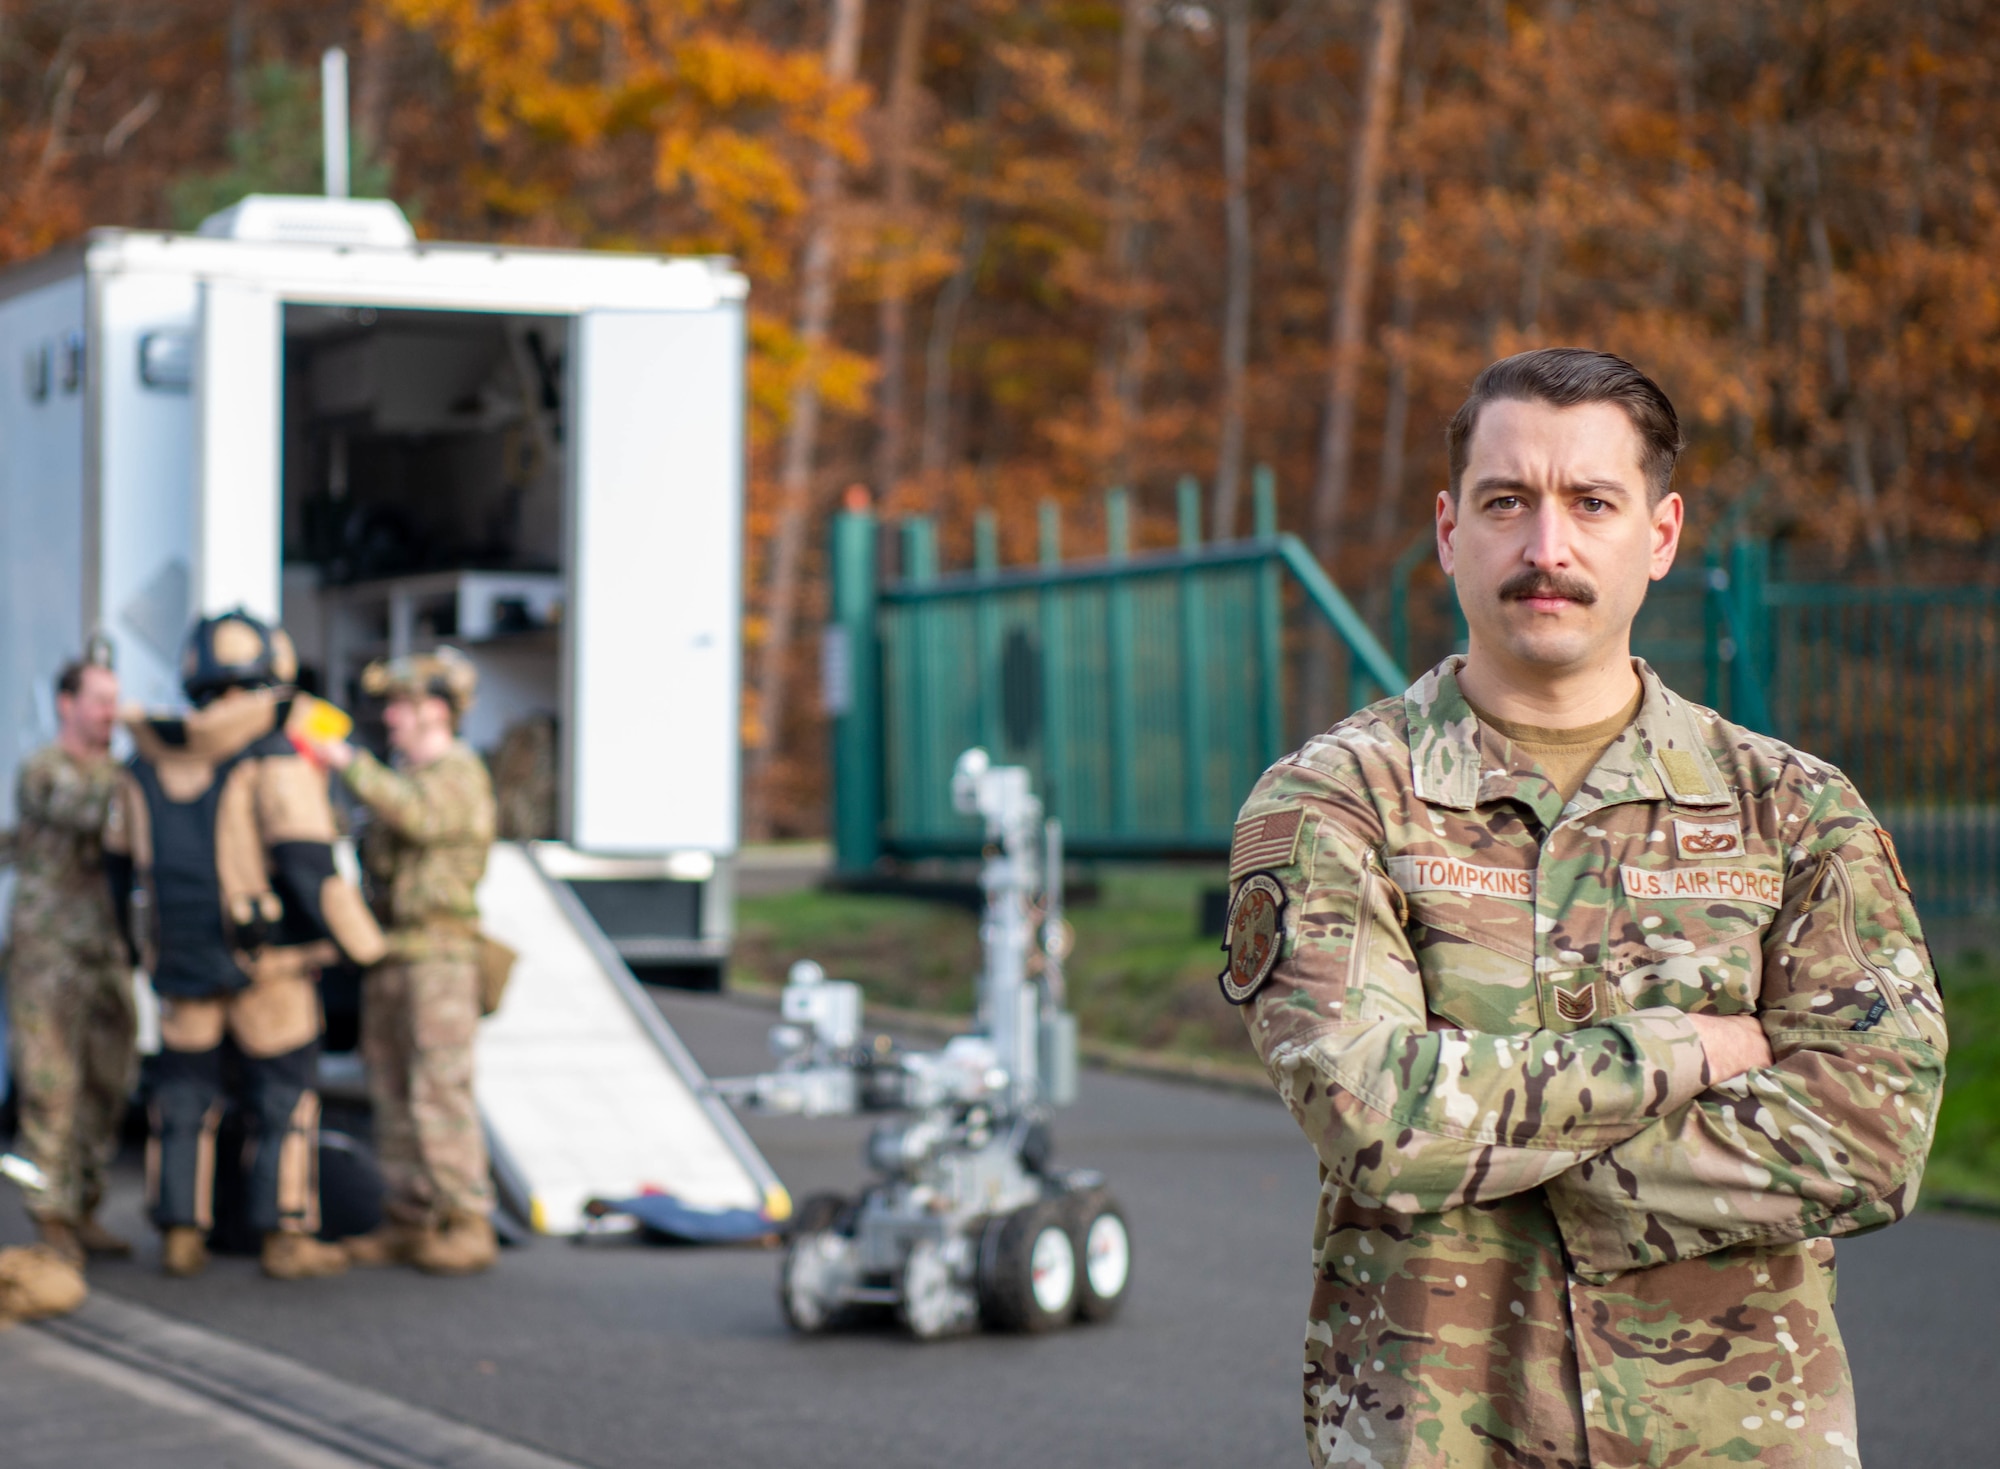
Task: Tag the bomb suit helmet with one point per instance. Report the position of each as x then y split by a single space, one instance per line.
234 650
446 674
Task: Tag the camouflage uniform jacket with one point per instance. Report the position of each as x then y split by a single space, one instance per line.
62 906
1543 1238
425 849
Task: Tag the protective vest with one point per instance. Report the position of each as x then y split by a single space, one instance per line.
220 853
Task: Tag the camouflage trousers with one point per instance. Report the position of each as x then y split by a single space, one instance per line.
418 1019
74 1065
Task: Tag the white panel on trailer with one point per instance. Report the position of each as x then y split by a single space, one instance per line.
656 506
145 333
42 392
239 385
588 1099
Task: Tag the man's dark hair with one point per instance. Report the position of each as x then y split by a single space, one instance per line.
70 681
1567 377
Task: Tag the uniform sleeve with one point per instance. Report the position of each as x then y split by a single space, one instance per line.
1413 1118
57 793
425 812
1831 1138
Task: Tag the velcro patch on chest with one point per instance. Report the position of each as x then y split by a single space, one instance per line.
1698 841
1253 937
1762 886
1450 875
1264 841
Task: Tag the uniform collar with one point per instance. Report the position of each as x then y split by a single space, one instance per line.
1661 753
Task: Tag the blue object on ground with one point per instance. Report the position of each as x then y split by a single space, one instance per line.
664 1214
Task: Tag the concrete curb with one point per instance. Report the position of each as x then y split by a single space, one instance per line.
367 1427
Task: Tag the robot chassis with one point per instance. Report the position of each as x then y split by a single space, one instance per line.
968 1222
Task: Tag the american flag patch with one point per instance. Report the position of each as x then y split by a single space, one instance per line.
1264 841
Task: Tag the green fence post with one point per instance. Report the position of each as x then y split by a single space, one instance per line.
1194 664
855 695
1408 561
922 685
1118 620
986 563
1264 502
1270 618
1056 772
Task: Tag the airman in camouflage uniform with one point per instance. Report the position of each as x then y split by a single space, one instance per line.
424 852
1553 1229
69 990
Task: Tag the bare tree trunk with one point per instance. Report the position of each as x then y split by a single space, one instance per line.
1117 377
1754 282
1236 291
1853 420
843 48
1396 412
893 423
945 314
371 91
1350 315
239 66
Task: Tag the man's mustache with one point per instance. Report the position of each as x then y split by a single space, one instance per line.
1545 584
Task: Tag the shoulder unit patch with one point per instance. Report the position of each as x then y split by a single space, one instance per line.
1253 937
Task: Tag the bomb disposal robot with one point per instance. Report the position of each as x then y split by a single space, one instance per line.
969 1223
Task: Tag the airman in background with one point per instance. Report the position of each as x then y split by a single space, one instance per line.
69 988
424 852
1604 1016
220 847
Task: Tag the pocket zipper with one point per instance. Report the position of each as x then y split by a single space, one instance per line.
1832 867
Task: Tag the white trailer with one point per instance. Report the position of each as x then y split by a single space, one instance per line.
386 444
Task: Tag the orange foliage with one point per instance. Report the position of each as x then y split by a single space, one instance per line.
1784 209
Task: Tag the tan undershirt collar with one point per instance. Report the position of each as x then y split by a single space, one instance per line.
1564 755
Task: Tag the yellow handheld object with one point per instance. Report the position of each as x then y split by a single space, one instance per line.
319 721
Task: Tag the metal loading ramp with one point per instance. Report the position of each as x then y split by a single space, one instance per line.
585 1089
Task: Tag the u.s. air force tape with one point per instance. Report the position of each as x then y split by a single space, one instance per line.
1253 937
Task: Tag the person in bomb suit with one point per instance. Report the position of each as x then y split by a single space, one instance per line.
69 993
219 845
431 825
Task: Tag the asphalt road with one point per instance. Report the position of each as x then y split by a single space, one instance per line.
619 1354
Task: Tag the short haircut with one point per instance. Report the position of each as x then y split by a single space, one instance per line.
69 682
1568 377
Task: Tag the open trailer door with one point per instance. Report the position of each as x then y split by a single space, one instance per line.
239 498
655 580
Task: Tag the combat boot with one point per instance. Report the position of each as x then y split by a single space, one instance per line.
289 1256
60 1237
463 1245
183 1251
97 1240
388 1243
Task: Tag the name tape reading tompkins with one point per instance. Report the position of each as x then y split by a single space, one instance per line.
1762 886
1449 875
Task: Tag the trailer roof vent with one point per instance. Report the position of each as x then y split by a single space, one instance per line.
309 219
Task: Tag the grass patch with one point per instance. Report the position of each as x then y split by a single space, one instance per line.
1141 976
1965 1159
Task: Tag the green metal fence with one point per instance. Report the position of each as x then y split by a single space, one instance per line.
1897 684
1145 691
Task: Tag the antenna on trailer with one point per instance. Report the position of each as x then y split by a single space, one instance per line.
333 119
